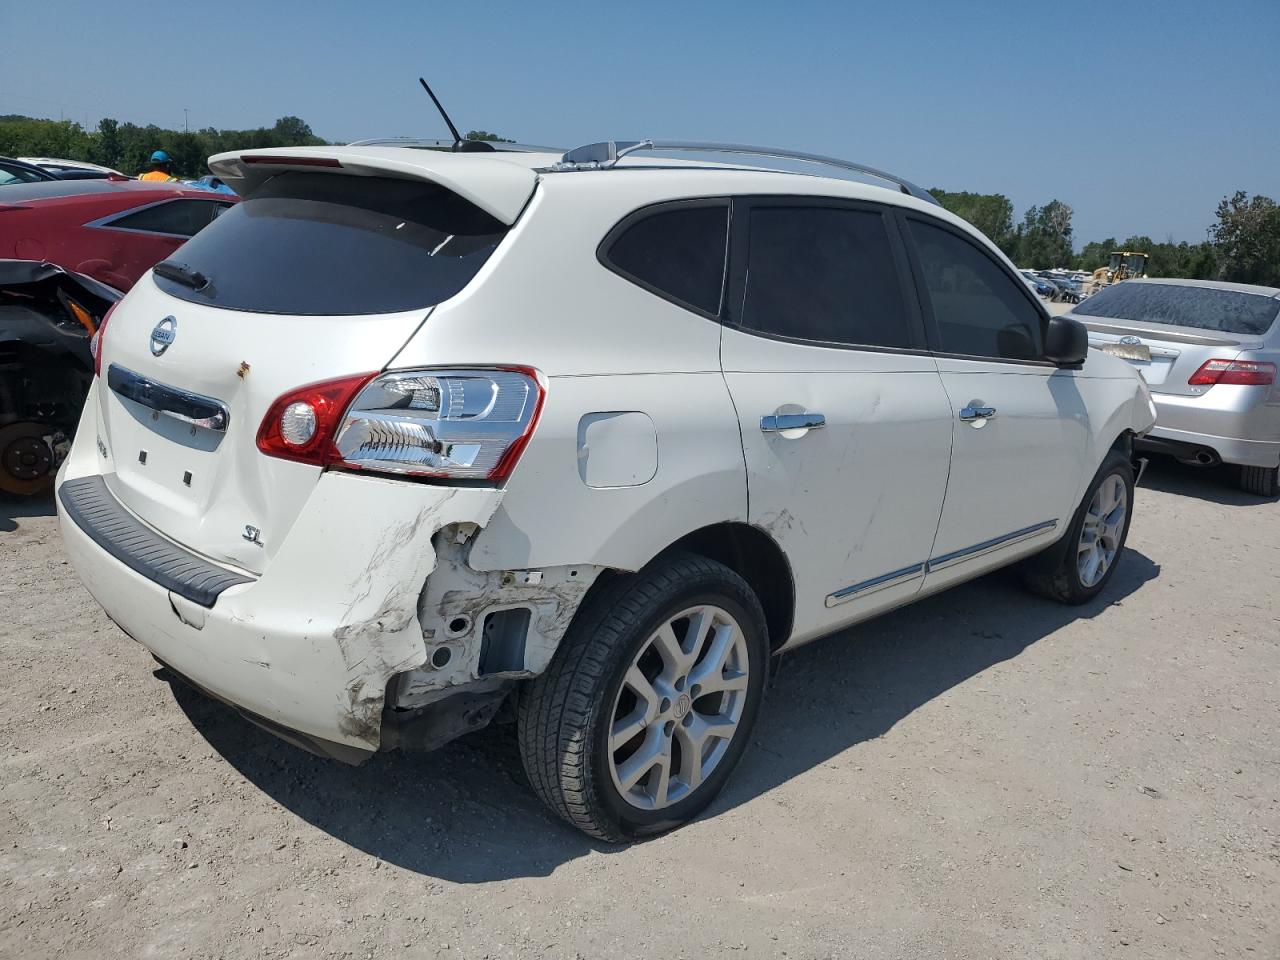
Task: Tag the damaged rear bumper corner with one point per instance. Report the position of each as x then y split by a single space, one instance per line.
310 647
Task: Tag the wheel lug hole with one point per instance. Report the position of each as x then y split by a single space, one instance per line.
669 728
666 705
688 719
695 692
680 683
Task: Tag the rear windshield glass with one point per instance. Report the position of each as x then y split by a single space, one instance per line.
330 244
1227 311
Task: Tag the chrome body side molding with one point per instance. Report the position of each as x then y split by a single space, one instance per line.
987 546
907 574
868 587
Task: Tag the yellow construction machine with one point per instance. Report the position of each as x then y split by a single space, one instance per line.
1124 265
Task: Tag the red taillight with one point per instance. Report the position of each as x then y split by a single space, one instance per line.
511 457
1248 373
443 423
293 161
95 342
314 415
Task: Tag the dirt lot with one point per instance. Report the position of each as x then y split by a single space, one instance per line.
982 775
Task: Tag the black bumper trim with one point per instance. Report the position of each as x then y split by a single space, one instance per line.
95 511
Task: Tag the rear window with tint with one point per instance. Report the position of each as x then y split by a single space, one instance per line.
677 251
825 274
335 245
1227 311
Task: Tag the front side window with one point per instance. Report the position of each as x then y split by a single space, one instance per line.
182 218
980 311
677 252
824 274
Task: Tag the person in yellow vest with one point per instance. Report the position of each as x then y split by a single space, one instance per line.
161 168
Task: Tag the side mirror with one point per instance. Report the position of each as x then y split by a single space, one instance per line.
1066 342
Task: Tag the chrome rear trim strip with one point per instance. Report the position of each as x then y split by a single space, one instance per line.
987 546
867 587
190 408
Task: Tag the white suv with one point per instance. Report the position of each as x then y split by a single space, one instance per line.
410 440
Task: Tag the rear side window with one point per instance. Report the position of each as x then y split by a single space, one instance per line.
825 274
328 244
1227 311
677 251
979 309
183 218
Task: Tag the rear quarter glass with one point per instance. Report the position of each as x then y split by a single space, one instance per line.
1203 308
327 244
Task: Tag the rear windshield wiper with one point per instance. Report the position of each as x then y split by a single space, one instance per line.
181 273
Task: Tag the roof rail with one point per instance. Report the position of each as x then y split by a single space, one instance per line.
422 143
605 155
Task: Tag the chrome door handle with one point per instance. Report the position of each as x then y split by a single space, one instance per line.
777 422
969 414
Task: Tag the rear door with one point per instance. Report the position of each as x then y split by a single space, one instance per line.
845 426
1019 423
315 276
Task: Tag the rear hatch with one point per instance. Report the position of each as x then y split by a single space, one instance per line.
1169 330
318 274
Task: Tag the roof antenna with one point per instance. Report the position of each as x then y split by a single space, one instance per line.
457 137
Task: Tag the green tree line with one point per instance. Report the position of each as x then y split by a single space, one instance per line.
127 147
1242 246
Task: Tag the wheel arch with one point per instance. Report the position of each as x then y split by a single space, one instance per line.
756 557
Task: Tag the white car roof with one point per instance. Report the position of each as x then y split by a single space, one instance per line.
71 164
502 182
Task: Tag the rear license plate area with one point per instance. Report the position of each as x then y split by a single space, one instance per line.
1128 351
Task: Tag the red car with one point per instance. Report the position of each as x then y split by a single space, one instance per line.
50 232
111 231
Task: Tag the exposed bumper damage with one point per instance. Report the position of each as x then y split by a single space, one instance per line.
369 594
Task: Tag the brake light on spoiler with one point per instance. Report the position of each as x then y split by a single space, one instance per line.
291 161
455 424
1238 372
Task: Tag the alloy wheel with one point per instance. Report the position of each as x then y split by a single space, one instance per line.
679 705
1103 529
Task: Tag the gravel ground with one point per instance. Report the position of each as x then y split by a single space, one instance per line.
984 774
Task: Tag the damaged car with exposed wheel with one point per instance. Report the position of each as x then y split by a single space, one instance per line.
412 441
47 319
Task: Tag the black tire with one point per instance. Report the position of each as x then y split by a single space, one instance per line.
565 714
1260 481
1054 572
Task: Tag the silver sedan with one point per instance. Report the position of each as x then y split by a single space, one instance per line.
1208 351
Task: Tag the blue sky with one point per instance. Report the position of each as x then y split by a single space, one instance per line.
1140 115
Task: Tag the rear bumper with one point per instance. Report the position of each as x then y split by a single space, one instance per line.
311 645
1240 424
1184 444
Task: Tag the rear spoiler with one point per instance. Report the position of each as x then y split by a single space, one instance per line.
491 181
